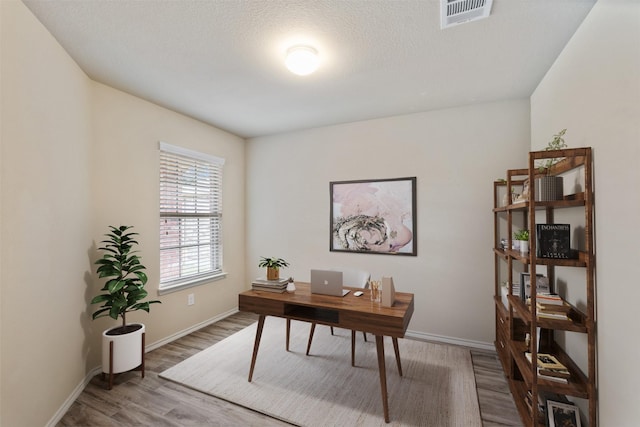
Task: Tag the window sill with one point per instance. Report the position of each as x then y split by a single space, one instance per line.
190 284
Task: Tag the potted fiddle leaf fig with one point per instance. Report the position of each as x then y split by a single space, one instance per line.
273 266
122 293
548 187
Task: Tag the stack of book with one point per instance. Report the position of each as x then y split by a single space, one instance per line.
552 306
549 368
262 284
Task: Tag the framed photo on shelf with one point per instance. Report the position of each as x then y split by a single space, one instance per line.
542 285
563 414
375 216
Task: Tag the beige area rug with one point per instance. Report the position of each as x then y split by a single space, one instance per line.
323 389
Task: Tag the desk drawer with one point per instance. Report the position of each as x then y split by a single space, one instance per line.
260 305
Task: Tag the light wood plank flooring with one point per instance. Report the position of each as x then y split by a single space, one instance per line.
152 401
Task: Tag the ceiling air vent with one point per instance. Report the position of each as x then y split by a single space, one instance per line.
454 12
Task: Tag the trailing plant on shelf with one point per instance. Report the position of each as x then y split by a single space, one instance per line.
124 289
273 266
557 143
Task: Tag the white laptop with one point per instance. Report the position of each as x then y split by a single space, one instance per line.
327 282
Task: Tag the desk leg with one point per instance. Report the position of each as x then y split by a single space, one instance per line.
383 375
353 348
313 329
397 350
288 332
256 344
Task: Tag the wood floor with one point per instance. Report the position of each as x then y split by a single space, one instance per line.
152 401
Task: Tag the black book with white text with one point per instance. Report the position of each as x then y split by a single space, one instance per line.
553 241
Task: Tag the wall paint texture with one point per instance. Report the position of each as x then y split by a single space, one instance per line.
593 90
455 155
46 215
126 134
76 157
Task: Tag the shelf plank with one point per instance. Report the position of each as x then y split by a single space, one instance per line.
500 252
577 322
577 385
569 201
581 261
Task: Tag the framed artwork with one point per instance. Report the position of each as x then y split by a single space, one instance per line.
562 414
375 216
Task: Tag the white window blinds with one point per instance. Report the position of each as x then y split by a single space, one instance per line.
190 215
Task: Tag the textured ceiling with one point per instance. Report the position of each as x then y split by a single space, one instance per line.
221 61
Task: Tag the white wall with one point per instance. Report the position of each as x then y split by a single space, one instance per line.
46 215
76 157
455 155
593 90
125 181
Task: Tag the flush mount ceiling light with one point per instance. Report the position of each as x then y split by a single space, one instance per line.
302 60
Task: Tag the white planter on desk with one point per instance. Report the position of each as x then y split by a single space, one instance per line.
524 247
128 349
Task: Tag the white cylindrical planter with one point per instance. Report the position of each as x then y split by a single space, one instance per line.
524 247
127 350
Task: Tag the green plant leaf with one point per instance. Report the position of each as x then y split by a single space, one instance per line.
100 298
121 266
115 285
100 313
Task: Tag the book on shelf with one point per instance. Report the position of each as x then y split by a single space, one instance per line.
542 285
547 361
550 369
553 241
550 305
557 373
556 316
554 379
550 299
551 309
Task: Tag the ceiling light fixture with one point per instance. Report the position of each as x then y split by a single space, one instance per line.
302 60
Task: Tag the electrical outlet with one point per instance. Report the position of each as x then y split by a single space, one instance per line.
191 299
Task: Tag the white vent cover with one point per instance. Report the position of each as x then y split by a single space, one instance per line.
454 12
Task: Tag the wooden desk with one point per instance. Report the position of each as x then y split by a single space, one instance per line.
349 312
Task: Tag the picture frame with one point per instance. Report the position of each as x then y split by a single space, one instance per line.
562 414
374 216
542 285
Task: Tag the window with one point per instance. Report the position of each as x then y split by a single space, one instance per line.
190 216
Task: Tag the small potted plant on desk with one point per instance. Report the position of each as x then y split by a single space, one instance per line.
273 266
523 237
122 346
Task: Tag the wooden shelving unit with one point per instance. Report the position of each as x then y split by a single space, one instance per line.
514 318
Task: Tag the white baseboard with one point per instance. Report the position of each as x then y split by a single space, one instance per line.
95 371
449 340
72 397
187 331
